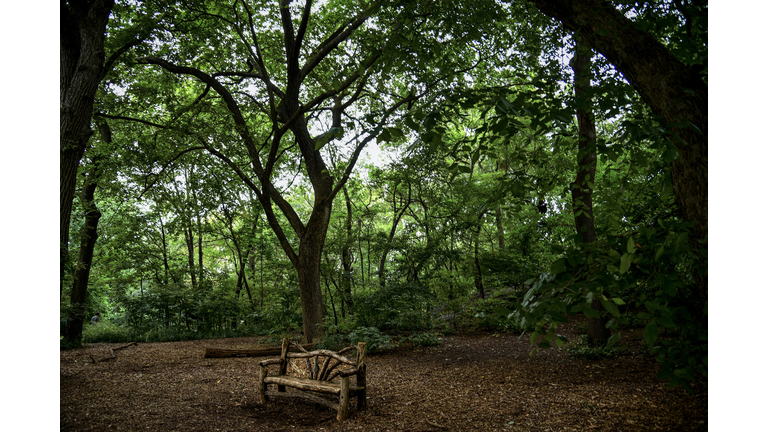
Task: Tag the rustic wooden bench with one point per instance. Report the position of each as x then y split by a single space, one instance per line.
317 374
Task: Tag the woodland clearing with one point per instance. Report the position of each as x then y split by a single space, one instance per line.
473 381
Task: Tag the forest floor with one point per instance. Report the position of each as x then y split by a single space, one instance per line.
472 382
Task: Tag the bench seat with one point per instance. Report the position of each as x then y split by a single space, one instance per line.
309 384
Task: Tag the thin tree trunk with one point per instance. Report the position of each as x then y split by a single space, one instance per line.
188 237
346 259
74 327
478 276
397 215
360 250
581 192
165 251
199 223
500 228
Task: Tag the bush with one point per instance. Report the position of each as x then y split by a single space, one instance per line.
276 339
374 339
495 314
106 332
425 339
583 350
333 342
399 306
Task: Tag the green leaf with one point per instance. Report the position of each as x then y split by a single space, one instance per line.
557 316
528 295
651 333
558 266
591 313
384 136
613 339
618 301
610 307
544 345
651 306
396 132
658 253
630 245
321 142
411 124
626 260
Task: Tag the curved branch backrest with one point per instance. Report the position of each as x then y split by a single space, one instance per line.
326 371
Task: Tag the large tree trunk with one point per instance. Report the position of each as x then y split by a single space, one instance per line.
81 68
308 268
74 328
672 90
581 192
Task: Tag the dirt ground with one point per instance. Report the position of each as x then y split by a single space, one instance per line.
472 382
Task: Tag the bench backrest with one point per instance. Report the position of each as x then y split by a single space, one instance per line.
323 365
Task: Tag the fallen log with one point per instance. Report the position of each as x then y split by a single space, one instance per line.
223 353
111 351
124 346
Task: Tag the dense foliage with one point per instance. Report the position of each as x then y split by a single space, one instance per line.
461 214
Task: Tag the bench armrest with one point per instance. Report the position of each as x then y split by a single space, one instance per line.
348 372
270 361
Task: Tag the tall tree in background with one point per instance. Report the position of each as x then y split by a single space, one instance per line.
317 64
287 107
581 190
674 91
81 69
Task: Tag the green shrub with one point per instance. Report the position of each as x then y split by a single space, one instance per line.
276 339
425 339
495 314
583 350
333 342
449 331
374 339
399 306
107 332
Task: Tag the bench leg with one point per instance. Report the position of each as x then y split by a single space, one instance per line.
262 385
362 400
343 399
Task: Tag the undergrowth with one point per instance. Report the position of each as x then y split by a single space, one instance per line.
582 349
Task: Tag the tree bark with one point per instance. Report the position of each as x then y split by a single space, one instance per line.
396 216
581 191
478 276
308 268
500 228
76 316
346 258
673 91
81 68
165 250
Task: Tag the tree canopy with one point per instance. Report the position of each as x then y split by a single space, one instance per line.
233 191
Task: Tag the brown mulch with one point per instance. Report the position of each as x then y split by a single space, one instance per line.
472 382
